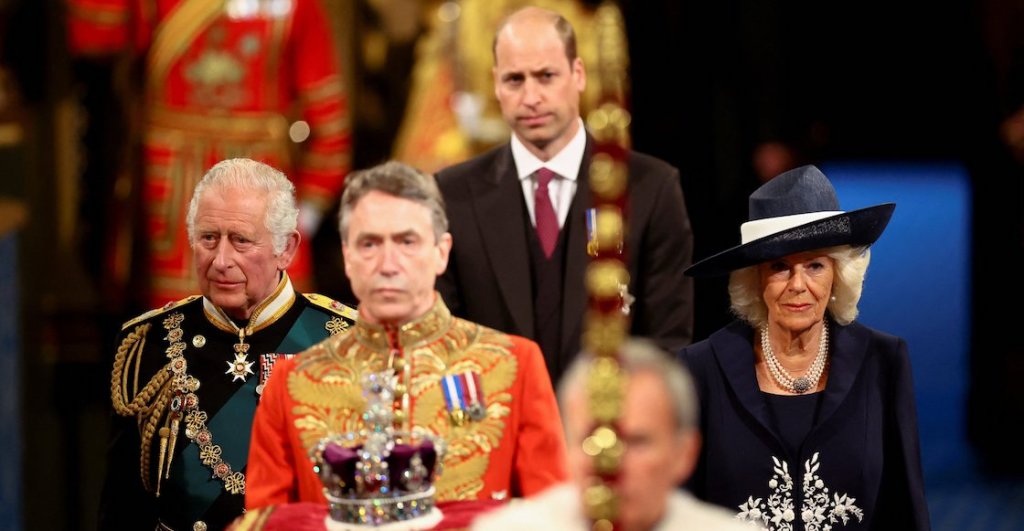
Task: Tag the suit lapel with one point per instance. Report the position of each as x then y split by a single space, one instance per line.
499 213
574 296
735 355
849 345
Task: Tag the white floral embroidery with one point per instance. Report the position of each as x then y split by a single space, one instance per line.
819 510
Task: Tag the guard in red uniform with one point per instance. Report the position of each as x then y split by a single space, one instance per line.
485 393
224 79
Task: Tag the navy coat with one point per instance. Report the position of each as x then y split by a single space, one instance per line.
858 468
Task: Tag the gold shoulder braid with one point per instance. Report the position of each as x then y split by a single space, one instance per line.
149 403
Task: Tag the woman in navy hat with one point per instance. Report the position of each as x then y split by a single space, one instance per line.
808 416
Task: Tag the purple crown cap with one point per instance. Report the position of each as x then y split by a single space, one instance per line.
410 468
379 475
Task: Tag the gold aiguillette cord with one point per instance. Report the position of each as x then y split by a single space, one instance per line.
174 438
163 453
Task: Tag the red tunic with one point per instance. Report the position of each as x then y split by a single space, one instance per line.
223 79
516 449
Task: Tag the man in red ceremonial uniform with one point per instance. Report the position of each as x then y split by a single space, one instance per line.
224 79
487 394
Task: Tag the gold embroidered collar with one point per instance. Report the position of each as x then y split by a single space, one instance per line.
424 329
263 315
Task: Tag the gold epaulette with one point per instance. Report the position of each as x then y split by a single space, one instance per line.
165 308
332 305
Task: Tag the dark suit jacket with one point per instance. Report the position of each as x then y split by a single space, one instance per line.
863 446
488 278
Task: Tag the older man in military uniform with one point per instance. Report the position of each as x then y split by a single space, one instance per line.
187 377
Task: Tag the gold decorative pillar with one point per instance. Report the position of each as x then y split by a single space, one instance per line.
608 321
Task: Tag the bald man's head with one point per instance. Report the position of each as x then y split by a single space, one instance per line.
525 21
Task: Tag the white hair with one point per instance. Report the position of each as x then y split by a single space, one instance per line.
282 214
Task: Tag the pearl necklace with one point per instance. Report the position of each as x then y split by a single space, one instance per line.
804 383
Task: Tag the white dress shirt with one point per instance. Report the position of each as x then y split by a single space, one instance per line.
565 163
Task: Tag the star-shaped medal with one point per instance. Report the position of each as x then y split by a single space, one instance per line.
240 367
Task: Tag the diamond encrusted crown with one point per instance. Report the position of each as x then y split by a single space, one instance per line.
379 476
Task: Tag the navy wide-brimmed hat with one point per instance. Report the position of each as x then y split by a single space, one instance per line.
795 212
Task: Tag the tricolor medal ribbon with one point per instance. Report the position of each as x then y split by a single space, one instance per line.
453 399
267 362
475 405
591 217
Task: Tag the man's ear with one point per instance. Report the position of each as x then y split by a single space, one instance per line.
291 246
444 249
581 74
688 450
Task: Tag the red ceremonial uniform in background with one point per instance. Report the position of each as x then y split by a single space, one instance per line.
224 79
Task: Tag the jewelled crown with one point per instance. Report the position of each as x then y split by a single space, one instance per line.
379 476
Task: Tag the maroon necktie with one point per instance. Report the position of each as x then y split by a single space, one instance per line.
544 212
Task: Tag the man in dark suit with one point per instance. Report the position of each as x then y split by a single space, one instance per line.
520 257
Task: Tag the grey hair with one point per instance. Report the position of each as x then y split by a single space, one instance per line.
396 179
282 214
851 265
640 355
